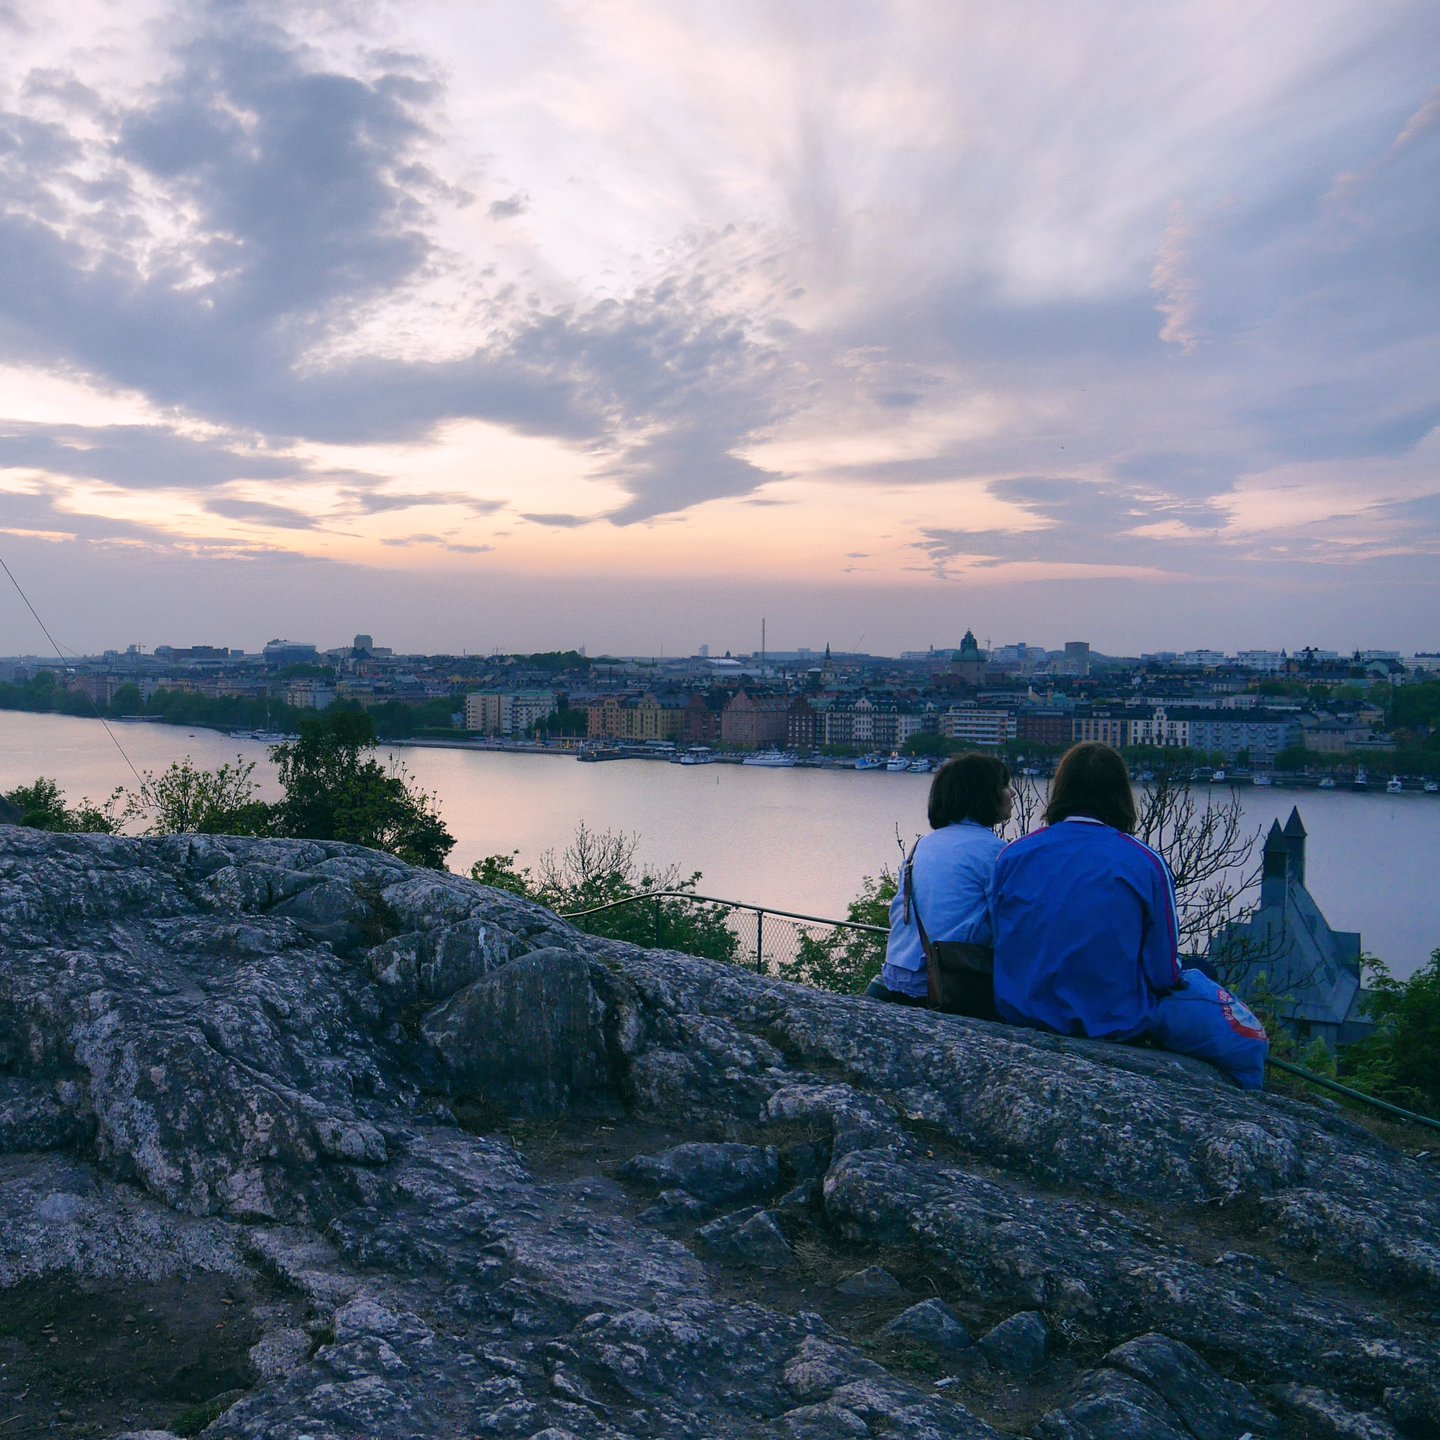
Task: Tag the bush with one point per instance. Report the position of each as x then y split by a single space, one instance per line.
846 961
185 801
42 807
598 868
1400 1062
336 790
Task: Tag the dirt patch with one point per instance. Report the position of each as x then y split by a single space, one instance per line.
81 1359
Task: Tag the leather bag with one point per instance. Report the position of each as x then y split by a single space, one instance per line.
960 976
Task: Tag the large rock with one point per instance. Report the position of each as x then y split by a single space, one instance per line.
370 1151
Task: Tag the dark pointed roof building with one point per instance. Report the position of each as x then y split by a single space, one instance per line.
1288 950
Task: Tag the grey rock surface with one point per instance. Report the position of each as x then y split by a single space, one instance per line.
380 1153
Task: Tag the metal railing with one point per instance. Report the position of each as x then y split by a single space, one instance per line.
792 943
779 947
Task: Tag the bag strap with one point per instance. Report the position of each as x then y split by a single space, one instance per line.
911 903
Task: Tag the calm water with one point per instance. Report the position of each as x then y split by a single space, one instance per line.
795 839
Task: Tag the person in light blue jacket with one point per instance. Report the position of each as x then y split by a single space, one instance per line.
1087 930
950 869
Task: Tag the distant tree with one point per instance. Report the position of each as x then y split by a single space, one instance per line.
1400 1061
599 867
336 790
42 807
127 700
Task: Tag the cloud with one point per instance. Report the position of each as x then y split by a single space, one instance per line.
370 502
1174 288
561 521
254 512
510 207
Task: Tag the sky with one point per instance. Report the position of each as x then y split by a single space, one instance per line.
629 324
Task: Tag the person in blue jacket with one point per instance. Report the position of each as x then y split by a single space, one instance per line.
969 796
1086 927
1087 931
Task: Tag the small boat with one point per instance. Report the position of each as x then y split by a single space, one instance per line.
694 755
869 762
897 764
1328 783
1361 781
923 766
1218 778
1394 785
591 753
1432 787
771 759
1262 780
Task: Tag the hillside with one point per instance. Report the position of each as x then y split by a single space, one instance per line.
297 1140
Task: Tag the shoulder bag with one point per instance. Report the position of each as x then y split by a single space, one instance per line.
961 976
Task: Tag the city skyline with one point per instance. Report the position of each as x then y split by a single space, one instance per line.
620 325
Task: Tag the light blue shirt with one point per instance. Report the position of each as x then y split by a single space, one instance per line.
952 868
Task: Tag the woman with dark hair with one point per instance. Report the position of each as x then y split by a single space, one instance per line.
946 877
1087 930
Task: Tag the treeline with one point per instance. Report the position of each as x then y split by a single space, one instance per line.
392 719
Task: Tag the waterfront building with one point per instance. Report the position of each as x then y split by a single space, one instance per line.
309 694
507 712
1262 734
754 721
970 725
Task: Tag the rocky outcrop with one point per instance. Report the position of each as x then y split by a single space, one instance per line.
298 1141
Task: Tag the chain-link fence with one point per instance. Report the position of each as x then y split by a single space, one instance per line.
830 954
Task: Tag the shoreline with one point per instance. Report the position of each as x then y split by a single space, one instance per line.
638 751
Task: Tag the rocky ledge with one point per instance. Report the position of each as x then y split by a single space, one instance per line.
298 1141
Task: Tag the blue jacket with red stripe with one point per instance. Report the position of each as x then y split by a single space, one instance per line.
1086 931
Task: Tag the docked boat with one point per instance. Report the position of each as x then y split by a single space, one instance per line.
593 753
1262 780
1432 787
870 762
1218 778
897 764
771 759
923 766
1394 785
694 755
1361 781
1328 783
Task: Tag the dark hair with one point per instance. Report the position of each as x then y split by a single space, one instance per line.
1092 780
968 787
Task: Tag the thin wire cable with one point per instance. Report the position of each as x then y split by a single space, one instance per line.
115 739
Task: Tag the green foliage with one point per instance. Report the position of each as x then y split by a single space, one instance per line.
846 961
600 867
397 720
554 661
935 746
564 721
1400 1062
1413 706
336 790
42 806
185 801
500 873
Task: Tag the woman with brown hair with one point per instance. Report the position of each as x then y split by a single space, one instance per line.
1087 931
1086 927
947 875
